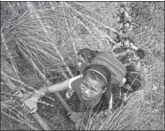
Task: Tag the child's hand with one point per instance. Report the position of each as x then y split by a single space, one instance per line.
30 105
75 116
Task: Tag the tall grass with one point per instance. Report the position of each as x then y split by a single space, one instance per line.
28 48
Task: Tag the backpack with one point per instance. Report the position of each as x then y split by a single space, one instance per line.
117 69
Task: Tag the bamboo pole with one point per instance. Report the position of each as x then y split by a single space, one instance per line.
63 103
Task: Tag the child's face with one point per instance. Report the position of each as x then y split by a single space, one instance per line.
81 60
91 89
81 64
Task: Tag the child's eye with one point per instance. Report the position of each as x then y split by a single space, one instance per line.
84 86
93 90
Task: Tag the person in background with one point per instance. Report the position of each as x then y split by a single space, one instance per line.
85 56
133 79
131 57
128 53
123 45
134 82
123 14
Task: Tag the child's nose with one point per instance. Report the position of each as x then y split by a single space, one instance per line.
87 91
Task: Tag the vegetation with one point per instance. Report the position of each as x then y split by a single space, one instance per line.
39 44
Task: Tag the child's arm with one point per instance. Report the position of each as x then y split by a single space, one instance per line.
51 89
30 105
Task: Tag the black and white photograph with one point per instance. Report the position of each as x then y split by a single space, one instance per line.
82 65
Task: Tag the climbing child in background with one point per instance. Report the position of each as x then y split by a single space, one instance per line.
124 20
133 79
123 14
91 88
123 45
125 23
85 56
131 57
136 60
134 82
128 53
